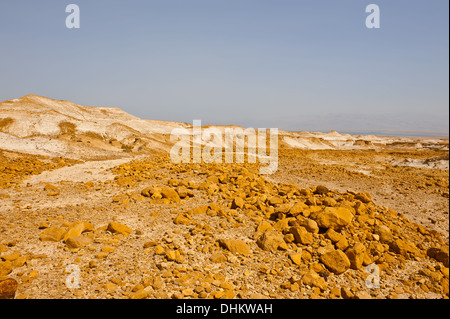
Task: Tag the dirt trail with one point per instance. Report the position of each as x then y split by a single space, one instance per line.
91 170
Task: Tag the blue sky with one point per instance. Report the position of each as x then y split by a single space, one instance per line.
290 64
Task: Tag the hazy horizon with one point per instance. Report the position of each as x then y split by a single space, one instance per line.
295 65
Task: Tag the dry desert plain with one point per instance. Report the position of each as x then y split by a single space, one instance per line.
91 206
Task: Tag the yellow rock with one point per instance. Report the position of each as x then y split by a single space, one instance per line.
296 258
8 287
332 235
182 219
263 226
52 234
235 246
403 247
5 268
172 255
356 255
384 233
107 249
333 217
336 261
187 292
313 279
271 240
159 250
101 255
298 208
110 287
218 258
170 194
19 262
114 227
76 229
140 294
11 257
43 225
238 202
182 191
199 210
301 235
50 187
78 241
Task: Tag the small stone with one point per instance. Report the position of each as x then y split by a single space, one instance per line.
346 293
182 219
199 210
114 227
5 268
363 197
296 258
271 240
321 190
8 287
238 202
333 235
101 255
362 295
150 244
50 187
333 217
275 200
110 287
384 233
43 225
219 294
313 279
440 254
78 241
342 244
182 191
187 292
297 209
52 234
235 246
19 262
11 257
336 261
301 235
108 249
218 258
356 255
336 291
310 225
263 226
170 194
77 229
141 293
159 250
403 247
171 254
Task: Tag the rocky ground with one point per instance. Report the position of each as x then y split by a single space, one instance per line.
323 226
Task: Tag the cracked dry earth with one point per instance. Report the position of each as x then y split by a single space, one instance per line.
148 228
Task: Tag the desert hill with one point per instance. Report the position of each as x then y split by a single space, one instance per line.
92 192
42 126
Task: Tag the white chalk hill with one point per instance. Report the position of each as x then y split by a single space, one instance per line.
43 126
39 125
